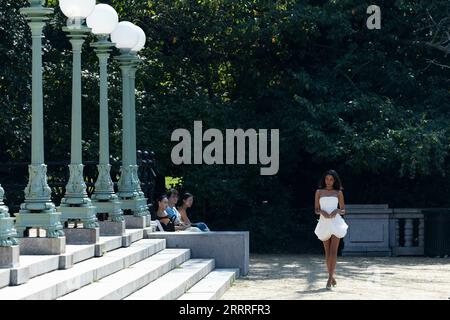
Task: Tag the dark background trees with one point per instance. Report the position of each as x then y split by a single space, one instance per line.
372 104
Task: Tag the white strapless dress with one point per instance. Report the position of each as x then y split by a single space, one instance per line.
327 227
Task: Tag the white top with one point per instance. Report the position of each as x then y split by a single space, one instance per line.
327 227
329 203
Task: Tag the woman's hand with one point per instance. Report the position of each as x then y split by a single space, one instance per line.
335 213
325 214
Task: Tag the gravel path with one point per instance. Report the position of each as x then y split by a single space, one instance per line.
278 277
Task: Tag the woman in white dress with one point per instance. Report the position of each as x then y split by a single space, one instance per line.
331 226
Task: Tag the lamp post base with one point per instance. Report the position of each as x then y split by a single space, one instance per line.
111 208
50 222
84 214
135 206
7 230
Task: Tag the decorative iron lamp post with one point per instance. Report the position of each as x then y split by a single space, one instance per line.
9 249
134 51
103 21
128 40
38 211
76 205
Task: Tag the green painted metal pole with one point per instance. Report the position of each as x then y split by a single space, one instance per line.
133 151
104 122
76 204
132 80
126 188
104 187
38 210
76 187
129 185
37 192
126 112
37 119
76 147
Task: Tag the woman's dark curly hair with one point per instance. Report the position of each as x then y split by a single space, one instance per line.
337 181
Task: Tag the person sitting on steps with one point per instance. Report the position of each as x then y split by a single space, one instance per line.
172 196
186 202
167 222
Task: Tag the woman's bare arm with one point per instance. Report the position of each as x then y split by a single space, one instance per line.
184 217
341 202
317 209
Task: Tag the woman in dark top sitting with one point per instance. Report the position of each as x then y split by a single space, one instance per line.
167 222
161 214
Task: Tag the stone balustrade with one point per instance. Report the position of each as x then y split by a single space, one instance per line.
377 230
407 232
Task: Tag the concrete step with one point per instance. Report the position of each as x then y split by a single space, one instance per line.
31 266
61 282
213 286
176 282
125 282
4 277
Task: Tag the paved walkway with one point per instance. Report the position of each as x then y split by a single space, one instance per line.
279 277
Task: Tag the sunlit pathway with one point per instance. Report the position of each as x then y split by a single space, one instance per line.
304 277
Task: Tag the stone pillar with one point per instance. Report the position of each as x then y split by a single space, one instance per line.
38 211
421 233
397 232
76 205
104 198
408 232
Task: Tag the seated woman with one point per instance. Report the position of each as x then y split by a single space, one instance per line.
171 222
166 221
187 201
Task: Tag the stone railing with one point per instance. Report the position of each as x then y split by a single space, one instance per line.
407 232
378 230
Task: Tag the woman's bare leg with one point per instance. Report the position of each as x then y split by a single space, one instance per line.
333 255
327 247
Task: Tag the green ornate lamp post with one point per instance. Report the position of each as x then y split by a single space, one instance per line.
132 79
127 38
103 21
38 211
76 205
9 249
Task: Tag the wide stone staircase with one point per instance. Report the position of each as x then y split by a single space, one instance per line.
130 267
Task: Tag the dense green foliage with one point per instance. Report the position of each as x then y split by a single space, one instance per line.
372 104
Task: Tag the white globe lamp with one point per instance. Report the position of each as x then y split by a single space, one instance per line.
77 8
76 11
103 20
142 39
125 36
